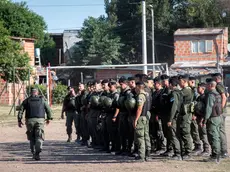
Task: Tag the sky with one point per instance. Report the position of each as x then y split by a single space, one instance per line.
65 14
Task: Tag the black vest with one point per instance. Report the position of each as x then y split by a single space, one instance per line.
35 107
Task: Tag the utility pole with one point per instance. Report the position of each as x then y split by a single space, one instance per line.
153 40
144 43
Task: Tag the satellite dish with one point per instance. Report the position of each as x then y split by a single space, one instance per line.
229 47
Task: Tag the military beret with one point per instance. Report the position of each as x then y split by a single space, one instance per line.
150 79
157 79
89 83
131 78
164 77
186 77
191 78
122 80
105 81
209 80
201 84
140 83
96 82
216 75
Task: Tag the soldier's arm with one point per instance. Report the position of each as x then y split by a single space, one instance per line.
209 105
21 110
140 103
48 110
175 101
220 89
63 106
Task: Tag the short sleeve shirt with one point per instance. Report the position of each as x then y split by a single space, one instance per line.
141 99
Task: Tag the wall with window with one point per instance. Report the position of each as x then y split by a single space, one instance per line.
200 47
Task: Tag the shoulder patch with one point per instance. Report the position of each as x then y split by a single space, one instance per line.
172 99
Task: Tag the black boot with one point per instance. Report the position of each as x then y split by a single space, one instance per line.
197 150
69 138
37 156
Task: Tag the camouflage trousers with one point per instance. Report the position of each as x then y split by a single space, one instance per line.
35 133
142 136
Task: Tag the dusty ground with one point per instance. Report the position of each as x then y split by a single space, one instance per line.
61 156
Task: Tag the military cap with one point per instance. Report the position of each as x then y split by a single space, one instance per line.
131 78
123 80
112 83
105 81
216 75
173 81
157 79
89 83
185 77
191 78
150 78
201 84
33 89
140 83
96 82
209 80
138 75
69 88
164 77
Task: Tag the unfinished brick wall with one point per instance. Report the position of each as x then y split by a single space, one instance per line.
29 48
7 90
183 49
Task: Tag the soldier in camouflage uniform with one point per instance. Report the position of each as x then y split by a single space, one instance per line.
199 112
141 123
175 98
69 107
185 117
224 94
35 107
194 126
212 119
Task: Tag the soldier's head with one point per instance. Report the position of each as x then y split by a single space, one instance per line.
89 84
192 81
34 91
112 86
104 84
137 77
165 80
183 80
139 87
216 77
123 83
97 85
211 84
173 82
70 90
132 82
144 78
150 82
81 86
201 88
157 83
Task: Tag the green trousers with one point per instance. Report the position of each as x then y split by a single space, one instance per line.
223 138
203 135
35 133
174 137
195 134
142 136
185 132
213 130
72 116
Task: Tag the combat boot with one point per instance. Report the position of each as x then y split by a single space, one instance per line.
176 157
197 150
69 138
139 159
37 156
205 152
147 155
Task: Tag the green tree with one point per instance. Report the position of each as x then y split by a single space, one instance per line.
20 21
11 55
99 45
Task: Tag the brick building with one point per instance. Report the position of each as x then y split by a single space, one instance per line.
7 90
199 50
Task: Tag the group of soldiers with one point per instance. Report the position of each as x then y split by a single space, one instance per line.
139 116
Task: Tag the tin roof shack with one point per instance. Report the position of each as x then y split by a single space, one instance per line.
199 50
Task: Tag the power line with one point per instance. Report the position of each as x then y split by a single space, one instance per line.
67 5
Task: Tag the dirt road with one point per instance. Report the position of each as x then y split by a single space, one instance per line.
60 156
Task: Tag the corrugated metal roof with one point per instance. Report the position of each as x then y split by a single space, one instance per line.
199 31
